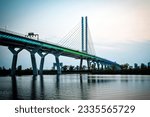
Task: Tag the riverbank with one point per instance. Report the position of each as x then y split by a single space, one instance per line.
53 72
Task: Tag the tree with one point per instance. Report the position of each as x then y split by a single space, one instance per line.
125 66
4 68
71 68
65 68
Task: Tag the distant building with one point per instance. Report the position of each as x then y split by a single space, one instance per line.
136 66
19 68
143 66
148 64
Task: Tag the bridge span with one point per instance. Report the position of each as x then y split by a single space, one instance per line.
13 40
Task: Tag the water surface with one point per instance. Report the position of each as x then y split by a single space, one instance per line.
76 87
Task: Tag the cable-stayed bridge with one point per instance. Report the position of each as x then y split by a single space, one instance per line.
76 44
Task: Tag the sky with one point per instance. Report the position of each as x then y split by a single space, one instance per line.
120 29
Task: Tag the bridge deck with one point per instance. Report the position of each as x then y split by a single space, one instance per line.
8 38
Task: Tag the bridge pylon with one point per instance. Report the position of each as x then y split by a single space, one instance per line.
42 61
14 61
84 34
33 60
84 39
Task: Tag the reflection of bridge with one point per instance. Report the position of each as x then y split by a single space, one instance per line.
13 41
78 86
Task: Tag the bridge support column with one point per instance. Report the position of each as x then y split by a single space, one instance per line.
102 66
14 61
109 66
88 64
42 61
81 62
57 63
33 60
105 66
97 65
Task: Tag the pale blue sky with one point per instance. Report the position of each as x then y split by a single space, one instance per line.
120 29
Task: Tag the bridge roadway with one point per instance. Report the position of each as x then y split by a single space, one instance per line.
14 40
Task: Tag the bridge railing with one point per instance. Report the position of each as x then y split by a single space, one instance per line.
12 32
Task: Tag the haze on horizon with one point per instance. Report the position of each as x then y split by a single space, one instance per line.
120 29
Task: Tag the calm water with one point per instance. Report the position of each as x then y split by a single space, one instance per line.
76 86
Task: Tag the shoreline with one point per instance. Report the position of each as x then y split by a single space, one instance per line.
92 72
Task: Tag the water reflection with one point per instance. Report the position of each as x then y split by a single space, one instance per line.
84 93
79 86
42 94
14 88
96 80
33 87
66 84
57 81
57 86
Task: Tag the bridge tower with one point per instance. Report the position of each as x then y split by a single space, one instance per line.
86 34
82 33
84 40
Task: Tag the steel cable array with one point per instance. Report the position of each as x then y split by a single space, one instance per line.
73 40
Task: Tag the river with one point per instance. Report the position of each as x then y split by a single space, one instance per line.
76 87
